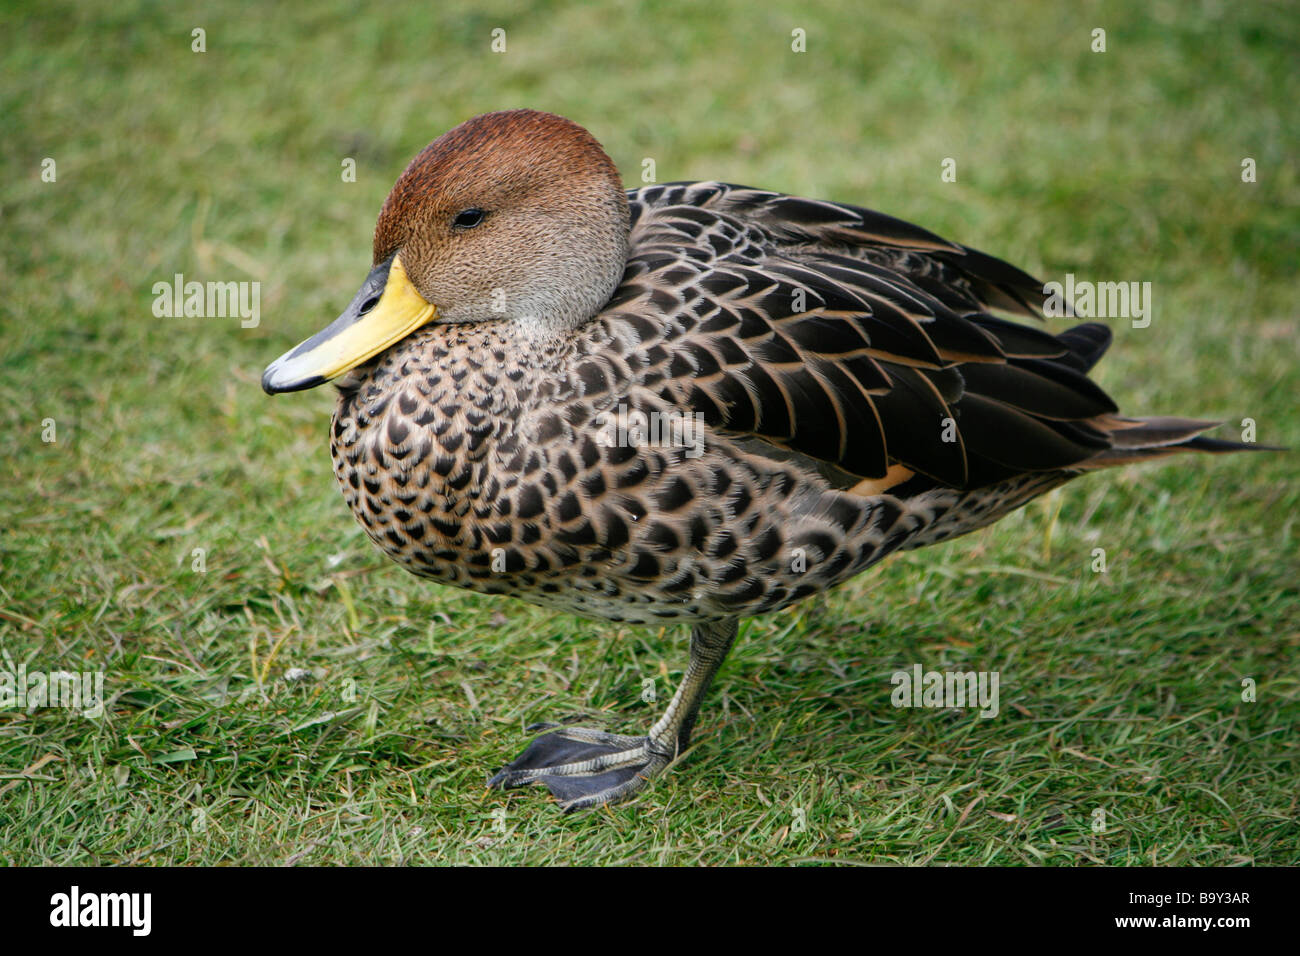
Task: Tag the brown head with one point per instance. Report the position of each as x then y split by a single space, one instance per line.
517 215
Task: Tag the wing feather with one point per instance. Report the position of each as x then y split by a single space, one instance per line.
857 340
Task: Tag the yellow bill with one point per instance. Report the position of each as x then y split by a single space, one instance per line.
384 311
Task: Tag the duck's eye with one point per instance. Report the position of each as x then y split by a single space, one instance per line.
468 218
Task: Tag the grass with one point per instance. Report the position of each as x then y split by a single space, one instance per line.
1121 691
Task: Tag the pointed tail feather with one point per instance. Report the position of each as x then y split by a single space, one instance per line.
1143 439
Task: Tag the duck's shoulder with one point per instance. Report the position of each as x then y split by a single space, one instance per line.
713 222
780 216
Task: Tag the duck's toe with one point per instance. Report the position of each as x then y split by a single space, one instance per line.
585 768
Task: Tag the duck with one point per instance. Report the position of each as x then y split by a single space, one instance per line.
684 404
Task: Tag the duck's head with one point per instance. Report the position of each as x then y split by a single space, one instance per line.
517 216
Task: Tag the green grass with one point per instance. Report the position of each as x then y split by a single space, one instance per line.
1120 691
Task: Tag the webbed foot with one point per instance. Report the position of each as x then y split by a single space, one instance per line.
590 768
585 768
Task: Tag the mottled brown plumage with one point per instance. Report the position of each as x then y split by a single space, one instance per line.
851 389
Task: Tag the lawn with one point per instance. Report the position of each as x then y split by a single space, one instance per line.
279 692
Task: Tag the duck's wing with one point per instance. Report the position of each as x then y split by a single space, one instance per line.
850 337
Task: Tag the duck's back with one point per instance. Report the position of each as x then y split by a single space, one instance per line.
859 341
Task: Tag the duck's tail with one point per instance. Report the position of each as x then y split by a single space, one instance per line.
1133 440
1144 439
1138 439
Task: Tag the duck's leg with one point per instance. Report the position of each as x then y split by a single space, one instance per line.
587 768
